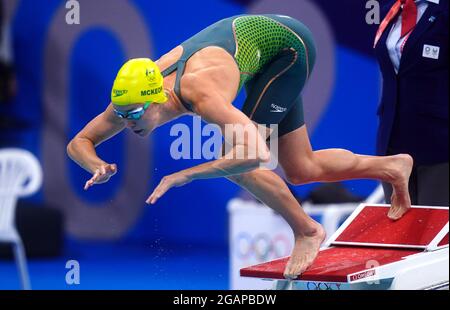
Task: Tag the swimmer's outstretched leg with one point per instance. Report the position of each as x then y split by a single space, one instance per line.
303 165
269 188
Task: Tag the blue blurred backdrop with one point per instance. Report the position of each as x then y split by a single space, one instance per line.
182 241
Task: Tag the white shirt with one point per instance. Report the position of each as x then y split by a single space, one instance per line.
394 42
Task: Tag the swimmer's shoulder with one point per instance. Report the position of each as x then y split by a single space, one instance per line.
220 83
170 58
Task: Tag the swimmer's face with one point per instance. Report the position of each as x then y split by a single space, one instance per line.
134 116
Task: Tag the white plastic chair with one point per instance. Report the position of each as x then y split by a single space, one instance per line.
20 175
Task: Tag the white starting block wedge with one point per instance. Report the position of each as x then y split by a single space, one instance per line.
371 252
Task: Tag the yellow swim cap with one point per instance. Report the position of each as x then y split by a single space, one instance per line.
138 81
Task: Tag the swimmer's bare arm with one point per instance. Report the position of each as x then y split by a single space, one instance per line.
215 109
82 147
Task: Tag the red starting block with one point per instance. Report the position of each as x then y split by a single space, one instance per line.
370 251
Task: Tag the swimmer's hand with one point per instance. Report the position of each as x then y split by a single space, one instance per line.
174 180
102 175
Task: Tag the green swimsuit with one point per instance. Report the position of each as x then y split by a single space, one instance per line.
275 55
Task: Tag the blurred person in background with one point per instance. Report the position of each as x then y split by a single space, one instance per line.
412 49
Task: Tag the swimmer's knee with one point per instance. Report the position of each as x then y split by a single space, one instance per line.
295 179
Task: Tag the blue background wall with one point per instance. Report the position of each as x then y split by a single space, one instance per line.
196 213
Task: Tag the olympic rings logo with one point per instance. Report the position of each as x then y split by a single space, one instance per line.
262 246
322 286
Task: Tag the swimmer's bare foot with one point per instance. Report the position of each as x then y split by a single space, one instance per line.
305 251
399 178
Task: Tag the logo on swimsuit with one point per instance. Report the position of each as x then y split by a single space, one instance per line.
277 109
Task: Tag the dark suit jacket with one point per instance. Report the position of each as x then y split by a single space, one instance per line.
413 112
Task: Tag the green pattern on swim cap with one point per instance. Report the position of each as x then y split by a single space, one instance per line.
259 39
